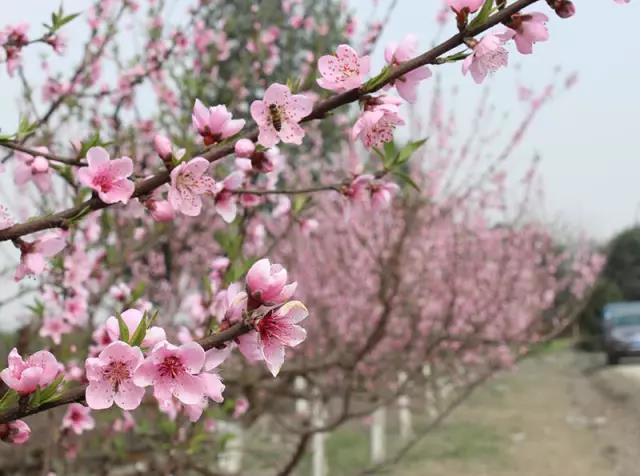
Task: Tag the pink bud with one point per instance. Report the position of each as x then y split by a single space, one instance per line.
40 164
16 432
162 145
161 210
244 148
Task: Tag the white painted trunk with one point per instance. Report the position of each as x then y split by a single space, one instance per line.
404 410
230 460
378 435
302 405
319 465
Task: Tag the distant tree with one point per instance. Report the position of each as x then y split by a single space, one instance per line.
620 281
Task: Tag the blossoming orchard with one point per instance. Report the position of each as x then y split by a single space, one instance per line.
237 225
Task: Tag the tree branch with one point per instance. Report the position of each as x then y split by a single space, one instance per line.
146 186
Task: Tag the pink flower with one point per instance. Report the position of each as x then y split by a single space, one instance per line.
375 127
188 182
277 329
529 28
78 419
172 372
110 377
225 200
241 407
278 115
55 328
396 54
214 124
132 318
16 432
382 194
34 254
488 56
33 168
25 377
267 284
470 5
108 177
344 71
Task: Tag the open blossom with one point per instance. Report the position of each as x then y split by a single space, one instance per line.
26 376
107 177
396 54
277 329
468 5
78 419
529 28
225 200
16 432
215 123
173 372
267 283
110 377
488 56
278 115
55 328
132 318
346 70
188 182
33 255
382 194
13 38
36 169
375 127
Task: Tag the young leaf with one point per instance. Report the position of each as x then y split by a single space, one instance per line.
407 151
50 390
140 332
482 15
406 178
124 330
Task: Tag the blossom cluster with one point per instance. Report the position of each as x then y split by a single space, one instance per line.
130 354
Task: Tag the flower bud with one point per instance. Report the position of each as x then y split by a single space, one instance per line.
244 148
16 432
162 146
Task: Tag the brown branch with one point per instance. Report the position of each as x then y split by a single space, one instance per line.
146 186
47 155
77 394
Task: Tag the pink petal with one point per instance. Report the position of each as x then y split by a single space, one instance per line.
129 396
99 395
192 355
277 94
97 157
121 191
213 386
121 168
273 353
189 389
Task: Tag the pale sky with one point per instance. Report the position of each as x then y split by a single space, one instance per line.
586 138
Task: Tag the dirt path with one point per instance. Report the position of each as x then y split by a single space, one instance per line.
544 418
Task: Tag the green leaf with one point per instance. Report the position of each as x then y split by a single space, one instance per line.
407 151
138 291
406 179
9 399
124 330
49 392
482 15
140 332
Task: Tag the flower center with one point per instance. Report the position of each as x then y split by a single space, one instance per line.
117 372
103 181
171 367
